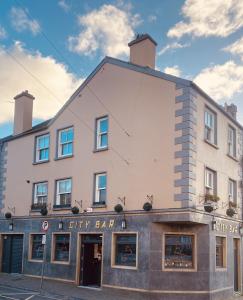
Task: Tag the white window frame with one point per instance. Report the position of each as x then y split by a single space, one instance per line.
98 189
38 149
58 200
60 144
210 183
232 191
35 200
99 134
210 125
231 141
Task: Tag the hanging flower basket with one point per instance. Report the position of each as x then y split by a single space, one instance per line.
8 215
208 207
75 210
118 208
230 212
44 211
147 206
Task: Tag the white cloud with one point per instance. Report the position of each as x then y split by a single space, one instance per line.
209 18
152 18
221 82
63 4
172 46
236 48
107 29
21 21
175 70
3 33
13 80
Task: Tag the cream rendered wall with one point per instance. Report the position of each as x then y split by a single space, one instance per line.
217 158
145 107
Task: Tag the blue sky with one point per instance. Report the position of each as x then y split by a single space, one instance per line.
50 47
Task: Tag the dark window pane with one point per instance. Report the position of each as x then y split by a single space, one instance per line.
126 250
61 247
102 196
65 199
104 140
178 252
219 252
37 247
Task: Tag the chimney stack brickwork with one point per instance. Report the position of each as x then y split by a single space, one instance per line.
23 112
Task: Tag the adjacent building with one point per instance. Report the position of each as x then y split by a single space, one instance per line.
136 182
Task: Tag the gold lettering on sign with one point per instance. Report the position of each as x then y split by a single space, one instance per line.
70 225
87 223
219 226
111 224
80 224
97 224
103 225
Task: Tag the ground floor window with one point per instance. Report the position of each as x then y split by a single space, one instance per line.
125 250
179 251
220 252
36 247
61 246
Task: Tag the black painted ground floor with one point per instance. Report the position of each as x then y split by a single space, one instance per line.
173 254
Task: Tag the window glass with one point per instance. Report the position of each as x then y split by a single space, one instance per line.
231 141
40 193
37 247
102 133
61 252
42 148
179 251
100 188
210 126
210 181
64 188
220 248
65 143
232 191
125 252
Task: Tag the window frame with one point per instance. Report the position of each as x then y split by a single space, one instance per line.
194 254
36 150
34 192
233 129
224 267
99 134
97 189
56 193
214 141
234 198
30 252
214 188
113 250
59 144
53 248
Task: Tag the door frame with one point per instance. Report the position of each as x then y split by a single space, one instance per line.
1 247
78 255
239 268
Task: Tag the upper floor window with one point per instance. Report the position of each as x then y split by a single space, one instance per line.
63 192
100 188
210 126
210 182
65 142
232 191
40 193
102 133
42 148
231 141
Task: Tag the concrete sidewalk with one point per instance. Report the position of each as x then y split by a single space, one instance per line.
66 291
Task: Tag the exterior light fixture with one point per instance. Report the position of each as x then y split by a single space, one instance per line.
60 225
124 224
213 224
10 226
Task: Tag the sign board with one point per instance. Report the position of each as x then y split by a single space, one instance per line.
45 225
43 241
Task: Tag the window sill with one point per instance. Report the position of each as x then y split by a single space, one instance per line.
211 144
98 205
100 150
124 267
60 262
179 270
35 260
40 162
63 157
221 269
232 157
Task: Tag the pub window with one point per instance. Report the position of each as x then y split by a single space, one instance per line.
63 192
102 133
40 194
42 148
232 191
210 126
65 142
100 188
61 244
179 251
231 141
210 182
220 252
37 248
125 252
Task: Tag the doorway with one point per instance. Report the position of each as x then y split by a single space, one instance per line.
91 260
12 253
237 269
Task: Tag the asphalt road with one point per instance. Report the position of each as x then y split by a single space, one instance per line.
21 294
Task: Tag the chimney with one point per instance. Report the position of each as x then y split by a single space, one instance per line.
23 111
231 110
142 51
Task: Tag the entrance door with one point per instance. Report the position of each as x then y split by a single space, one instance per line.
12 253
91 259
236 265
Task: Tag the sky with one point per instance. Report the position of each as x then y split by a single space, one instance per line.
50 47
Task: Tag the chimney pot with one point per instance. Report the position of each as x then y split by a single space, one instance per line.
231 109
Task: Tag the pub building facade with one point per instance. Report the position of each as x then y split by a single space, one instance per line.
136 184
